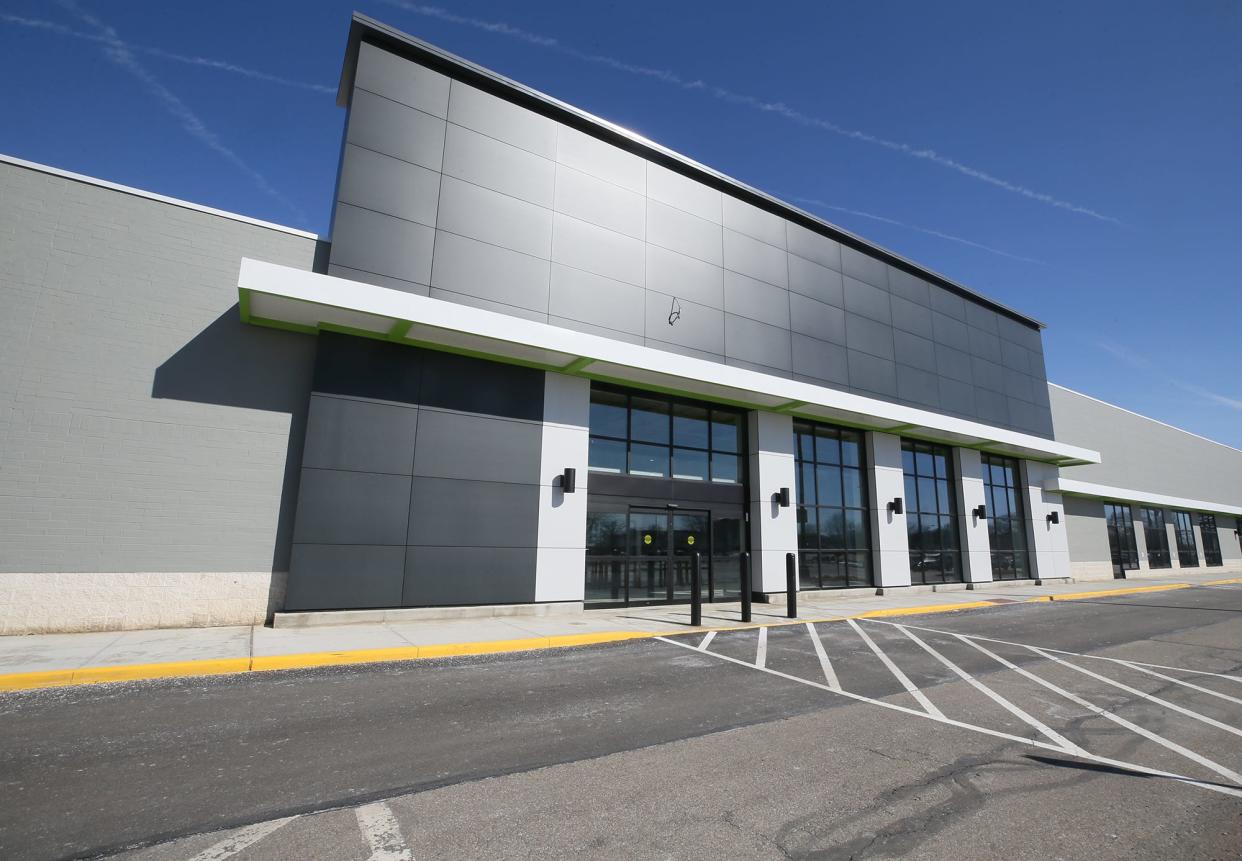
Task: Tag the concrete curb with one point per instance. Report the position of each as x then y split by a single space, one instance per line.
271 663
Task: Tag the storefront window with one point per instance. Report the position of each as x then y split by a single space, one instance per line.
833 522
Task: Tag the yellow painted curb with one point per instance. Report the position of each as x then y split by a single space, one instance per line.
170 669
44 679
306 660
918 611
264 663
1104 593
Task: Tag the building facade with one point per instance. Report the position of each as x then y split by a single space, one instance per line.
541 362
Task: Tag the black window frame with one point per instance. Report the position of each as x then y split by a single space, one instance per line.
1119 521
1160 556
849 565
1187 546
1012 562
940 545
715 452
1211 549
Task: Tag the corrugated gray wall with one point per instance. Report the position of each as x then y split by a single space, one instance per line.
448 191
143 428
1142 454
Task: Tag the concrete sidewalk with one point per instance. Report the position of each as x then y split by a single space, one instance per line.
50 660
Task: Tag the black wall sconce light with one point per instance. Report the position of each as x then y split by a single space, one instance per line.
897 506
1054 517
981 511
782 497
569 480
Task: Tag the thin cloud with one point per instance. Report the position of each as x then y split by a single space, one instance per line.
119 53
774 108
819 204
1143 363
205 62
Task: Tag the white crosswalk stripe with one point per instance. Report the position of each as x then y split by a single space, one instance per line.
239 840
1233 791
1049 733
829 673
1149 671
896 671
382 832
1096 710
1136 692
821 644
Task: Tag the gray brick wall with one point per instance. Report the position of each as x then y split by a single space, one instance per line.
143 428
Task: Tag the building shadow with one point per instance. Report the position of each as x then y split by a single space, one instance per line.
234 364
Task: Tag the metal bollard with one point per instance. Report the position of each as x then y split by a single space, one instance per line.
791 586
745 587
696 594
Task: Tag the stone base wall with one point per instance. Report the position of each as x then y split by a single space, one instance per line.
62 603
1104 571
1091 570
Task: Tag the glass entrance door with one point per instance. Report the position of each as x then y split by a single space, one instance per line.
662 548
646 555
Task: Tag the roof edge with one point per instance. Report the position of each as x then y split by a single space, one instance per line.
151 195
387 37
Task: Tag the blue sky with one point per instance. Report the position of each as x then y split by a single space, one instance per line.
1078 161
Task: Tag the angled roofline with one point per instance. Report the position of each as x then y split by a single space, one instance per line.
151 195
364 28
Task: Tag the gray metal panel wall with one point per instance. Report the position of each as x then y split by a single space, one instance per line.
534 218
420 480
143 426
1141 454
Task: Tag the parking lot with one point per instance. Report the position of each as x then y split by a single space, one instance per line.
1106 727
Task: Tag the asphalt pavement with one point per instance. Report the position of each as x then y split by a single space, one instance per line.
1110 727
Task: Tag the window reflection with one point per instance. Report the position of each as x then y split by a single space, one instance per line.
931 509
656 437
1006 518
833 535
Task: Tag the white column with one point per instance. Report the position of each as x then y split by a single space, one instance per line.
976 544
1140 537
1170 534
890 545
1049 542
1198 533
560 565
773 530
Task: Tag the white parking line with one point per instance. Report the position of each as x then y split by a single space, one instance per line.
761 653
1235 792
1127 662
1014 710
240 840
1144 669
1136 692
829 674
382 833
913 690
1096 710
702 647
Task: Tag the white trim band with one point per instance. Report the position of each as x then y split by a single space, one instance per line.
1086 488
282 296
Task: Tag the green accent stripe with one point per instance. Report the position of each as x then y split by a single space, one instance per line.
243 304
399 330
577 365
